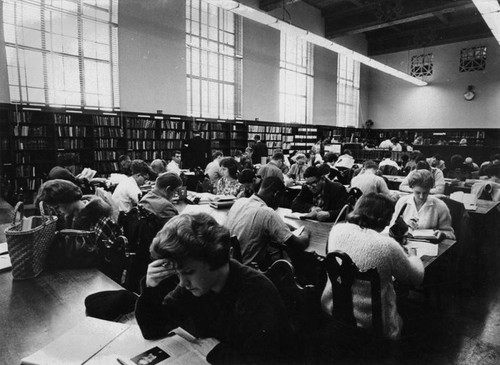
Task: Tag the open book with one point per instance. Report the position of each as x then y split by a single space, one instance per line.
423 234
98 342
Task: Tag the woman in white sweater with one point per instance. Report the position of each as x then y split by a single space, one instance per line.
361 239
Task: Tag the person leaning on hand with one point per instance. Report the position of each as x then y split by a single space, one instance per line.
222 298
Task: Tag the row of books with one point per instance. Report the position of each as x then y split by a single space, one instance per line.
30 131
173 135
72 131
141 133
106 155
106 143
141 123
72 144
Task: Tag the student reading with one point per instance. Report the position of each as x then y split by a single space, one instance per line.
223 298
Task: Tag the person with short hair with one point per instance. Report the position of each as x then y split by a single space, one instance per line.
128 192
213 168
424 211
388 161
297 170
256 224
273 167
368 182
360 238
175 164
259 150
437 174
220 297
246 158
125 162
228 184
247 179
78 211
159 200
494 159
345 161
159 166
321 198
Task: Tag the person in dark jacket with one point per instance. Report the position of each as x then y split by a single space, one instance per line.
259 150
321 198
196 151
222 298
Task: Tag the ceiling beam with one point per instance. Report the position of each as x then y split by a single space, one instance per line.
408 18
271 5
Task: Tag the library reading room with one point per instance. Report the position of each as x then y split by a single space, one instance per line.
250 182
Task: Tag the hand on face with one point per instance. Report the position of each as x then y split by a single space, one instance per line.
158 271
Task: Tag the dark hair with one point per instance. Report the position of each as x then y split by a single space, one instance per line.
394 140
168 179
272 184
249 149
141 167
324 169
58 191
456 161
278 156
176 152
124 158
348 152
405 158
237 153
192 236
418 156
493 169
370 165
422 178
495 156
387 154
423 165
58 172
256 137
231 165
372 211
246 176
216 154
331 157
312 171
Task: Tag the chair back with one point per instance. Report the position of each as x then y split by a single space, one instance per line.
116 260
300 302
236 249
342 273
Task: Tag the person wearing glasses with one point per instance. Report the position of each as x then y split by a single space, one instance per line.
220 297
159 200
128 192
320 198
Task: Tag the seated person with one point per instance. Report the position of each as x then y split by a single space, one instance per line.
296 172
159 200
125 162
159 166
455 170
88 213
388 166
175 163
494 159
489 189
330 160
247 178
321 198
256 224
246 158
368 182
437 162
273 167
345 161
437 174
228 184
424 211
470 166
128 192
220 297
361 239
213 168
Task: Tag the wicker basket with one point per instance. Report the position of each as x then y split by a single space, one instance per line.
28 247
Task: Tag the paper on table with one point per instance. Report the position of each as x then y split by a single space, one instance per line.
3 248
423 233
295 215
298 231
423 248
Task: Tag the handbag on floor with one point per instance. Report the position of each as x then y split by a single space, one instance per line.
28 241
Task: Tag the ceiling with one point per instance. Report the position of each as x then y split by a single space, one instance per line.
397 25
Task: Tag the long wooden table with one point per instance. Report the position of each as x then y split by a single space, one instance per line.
35 312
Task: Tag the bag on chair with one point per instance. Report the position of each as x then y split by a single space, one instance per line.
28 241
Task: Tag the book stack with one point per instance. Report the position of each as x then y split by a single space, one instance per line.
222 201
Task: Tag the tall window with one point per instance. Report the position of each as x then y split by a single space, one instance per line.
214 57
62 52
296 79
347 91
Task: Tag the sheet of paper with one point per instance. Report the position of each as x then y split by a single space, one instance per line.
423 248
5 263
423 233
3 248
68 349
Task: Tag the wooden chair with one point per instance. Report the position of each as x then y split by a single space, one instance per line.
342 276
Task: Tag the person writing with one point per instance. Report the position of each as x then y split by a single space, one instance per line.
361 238
424 211
222 298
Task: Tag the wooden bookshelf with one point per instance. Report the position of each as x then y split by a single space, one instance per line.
109 143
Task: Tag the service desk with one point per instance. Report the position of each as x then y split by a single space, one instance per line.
35 312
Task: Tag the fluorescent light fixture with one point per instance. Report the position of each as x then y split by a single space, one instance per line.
263 18
490 11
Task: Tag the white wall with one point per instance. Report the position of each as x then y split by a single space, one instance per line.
397 104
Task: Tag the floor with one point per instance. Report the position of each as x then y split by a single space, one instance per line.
465 331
